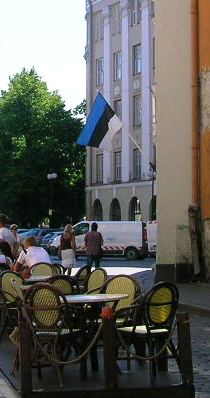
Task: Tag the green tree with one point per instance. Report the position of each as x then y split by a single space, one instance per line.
38 135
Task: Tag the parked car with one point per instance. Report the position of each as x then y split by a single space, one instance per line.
22 230
39 233
48 239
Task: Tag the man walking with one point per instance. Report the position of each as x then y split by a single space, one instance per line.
93 243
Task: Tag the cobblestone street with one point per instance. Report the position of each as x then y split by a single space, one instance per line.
200 339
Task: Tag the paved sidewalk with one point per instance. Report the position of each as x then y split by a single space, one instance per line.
6 390
195 297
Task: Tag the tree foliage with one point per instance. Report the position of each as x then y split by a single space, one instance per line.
37 136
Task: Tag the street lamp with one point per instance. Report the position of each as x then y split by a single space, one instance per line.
51 178
153 204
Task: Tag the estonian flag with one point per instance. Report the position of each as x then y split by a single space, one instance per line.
101 126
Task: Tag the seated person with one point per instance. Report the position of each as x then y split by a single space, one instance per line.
30 255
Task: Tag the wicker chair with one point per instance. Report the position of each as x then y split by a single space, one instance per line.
52 322
58 269
154 326
96 280
80 279
122 284
41 269
63 283
10 295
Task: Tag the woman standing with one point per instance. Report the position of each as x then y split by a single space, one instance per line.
67 248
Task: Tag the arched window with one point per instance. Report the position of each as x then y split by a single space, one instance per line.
97 210
115 211
134 209
152 208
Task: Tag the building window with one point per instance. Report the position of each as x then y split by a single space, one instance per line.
99 72
99 168
98 26
115 19
97 210
153 53
137 110
115 210
132 12
139 11
118 108
136 163
137 59
152 9
135 210
117 166
117 65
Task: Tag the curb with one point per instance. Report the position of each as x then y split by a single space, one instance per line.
204 311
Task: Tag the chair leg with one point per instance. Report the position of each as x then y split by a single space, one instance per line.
162 363
94 358
152 364
15 365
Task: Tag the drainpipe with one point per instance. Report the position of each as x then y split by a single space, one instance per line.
195 105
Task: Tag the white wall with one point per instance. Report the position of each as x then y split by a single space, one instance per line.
173 95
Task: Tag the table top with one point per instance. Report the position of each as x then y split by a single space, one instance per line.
94 298
36 279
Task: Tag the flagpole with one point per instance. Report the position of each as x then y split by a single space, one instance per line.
135 142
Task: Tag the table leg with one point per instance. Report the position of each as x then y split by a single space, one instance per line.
109 340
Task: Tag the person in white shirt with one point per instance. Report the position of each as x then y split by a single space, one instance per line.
5 234
31 255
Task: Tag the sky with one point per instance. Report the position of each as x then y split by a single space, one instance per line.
49 35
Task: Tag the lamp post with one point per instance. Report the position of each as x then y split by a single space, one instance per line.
153 175
51 178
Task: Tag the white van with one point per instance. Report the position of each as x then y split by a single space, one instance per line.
151 228
125 238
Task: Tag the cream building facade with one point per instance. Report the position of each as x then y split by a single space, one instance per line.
182 34
120 64
174 136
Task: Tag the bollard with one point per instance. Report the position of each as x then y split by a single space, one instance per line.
25 357
184 344
109 340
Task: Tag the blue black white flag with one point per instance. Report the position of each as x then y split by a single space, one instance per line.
101 126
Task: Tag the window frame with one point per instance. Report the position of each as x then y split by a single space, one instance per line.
99 168
117 166
117 65
137 111
136 163
99 71
137 65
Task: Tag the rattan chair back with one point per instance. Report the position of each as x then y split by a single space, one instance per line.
159 305
63 283
81 278
7 287
41 269
96 280
124 284
44 306
58 269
